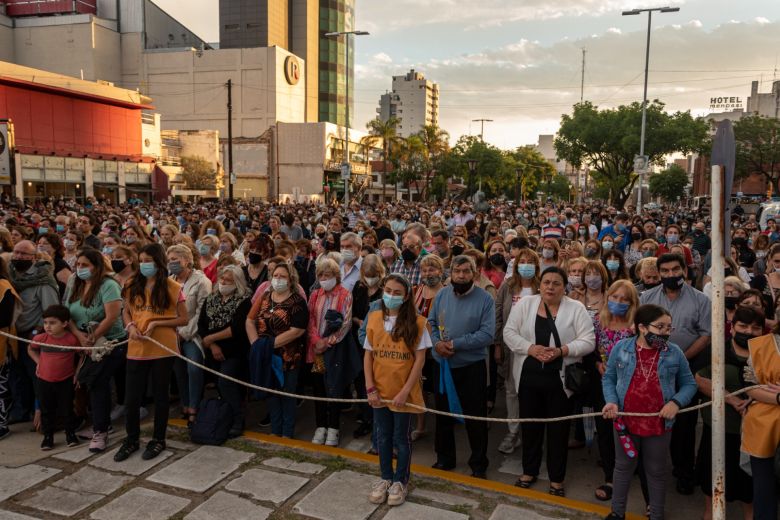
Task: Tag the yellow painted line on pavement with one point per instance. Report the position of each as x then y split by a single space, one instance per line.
450 476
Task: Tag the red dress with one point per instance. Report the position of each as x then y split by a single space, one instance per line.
644 395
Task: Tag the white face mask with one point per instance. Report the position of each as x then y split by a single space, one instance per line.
347 255
227 290
328 285
372 282
279 284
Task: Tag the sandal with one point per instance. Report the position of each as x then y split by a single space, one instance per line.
525 484
606 489
153 449
557 491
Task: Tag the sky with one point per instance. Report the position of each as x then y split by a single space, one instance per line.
519 62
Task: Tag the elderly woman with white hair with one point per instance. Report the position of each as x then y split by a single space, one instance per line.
221 325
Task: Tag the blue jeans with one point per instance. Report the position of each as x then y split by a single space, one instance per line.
282 409
393 428
189 378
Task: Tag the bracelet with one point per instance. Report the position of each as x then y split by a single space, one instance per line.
371 390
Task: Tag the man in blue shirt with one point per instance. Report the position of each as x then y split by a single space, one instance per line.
463 323
618 231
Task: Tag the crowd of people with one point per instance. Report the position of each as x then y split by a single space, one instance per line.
562 308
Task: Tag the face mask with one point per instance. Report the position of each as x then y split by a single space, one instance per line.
108 250
569 235
497 259
148 269
21 266
328 285
211 231
461 287
617 308
255 258
657 341
575 281
117 265
84 273
225 290
279 284
741 339
348 255
432 281
388 253
60 228
392 302
224 248
672 282
457 250
373 281
613 265
731 302
606 246
590 252
242 218
129 240
593 282
760 254
204 249
526 271
553 220
408 255
651 285
548 253
43 230
647 254
175 267
672 238
636 236
581 231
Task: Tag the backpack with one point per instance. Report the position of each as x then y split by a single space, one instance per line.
212 423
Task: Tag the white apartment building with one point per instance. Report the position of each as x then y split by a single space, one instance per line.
414 101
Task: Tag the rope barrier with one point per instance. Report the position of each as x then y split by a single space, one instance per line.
386 401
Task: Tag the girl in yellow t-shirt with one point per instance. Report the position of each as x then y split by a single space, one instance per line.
154 307
396 339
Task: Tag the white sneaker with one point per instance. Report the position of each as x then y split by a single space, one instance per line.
319 436
396 495
142 413
378 493
509 444
117 412
333 437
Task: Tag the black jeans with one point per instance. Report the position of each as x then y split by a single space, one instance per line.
22 381
231 392
764 488
471 386
683 445
326 415
544 400
100 390
137 375
56 400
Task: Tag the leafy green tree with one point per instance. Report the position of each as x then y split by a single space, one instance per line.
669 184
410 161
556 186
383 132
435 142
758 148
607 140
533 169
198 173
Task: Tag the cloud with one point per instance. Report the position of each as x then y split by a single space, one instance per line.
761 20
382 58
526 84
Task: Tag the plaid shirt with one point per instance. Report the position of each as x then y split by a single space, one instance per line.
411 273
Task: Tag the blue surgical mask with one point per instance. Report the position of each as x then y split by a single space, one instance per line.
204 249
242 218
606 246
617 308
43 230
108 250
613 265
84 273
148 269
526 271
60 228
211 231
392 302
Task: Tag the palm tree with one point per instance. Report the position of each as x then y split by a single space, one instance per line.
383 131
436 142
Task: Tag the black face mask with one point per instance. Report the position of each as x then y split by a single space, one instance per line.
739 241
461 287
497 259
741 339
255 258
21 266
408 255
457 250
657 341
651 285
321 235
673 283
636 236
117 265
731 302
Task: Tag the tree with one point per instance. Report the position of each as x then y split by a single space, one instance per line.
409 162
435 144
198 173
758 148
669 184
384 132
607 140
533 169
556 186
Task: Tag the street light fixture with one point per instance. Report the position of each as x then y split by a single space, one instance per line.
346 170
649 12
473 168
519 190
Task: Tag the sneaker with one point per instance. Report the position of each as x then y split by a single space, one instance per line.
509 444
127 448
153 448
396 495
333 437
98 442
4 432
319 436
117 412
378 493
142 413
48 442
71 439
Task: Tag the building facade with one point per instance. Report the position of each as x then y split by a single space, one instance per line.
414 101
764 104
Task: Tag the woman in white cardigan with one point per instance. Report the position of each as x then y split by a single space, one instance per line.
538 365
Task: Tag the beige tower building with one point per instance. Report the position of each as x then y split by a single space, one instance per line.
414 101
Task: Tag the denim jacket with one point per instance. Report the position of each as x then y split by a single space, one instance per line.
674 374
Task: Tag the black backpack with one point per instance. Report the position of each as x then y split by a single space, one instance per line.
213 422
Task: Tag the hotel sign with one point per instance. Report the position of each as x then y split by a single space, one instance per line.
292 70
726 102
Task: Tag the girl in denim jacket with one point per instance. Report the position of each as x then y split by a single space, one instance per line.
645 373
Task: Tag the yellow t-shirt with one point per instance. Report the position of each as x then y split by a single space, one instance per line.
142 314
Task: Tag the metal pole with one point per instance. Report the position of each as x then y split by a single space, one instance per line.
644 113
346 141
230 139
718 350
582 81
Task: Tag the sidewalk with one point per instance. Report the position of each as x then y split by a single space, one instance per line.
243 479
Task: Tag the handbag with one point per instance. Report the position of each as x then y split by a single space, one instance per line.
576 377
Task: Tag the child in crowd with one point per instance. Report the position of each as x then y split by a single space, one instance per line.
56 368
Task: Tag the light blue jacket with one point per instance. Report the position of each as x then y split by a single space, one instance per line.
677 382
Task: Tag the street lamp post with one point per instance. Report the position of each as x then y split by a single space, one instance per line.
346 169
473 168
518 188
649 12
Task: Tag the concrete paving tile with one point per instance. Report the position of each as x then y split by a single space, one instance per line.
10 515
299 467
135 465
16 480
505 512
268 486
141 503
74 455
358 445
409 510
61 501
444 498
352 490
226 506
90 480
202 468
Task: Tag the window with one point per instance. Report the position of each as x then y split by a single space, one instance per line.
232 27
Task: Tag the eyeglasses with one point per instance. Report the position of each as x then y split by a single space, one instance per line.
662 328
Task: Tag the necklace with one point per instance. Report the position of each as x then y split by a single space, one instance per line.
647 369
